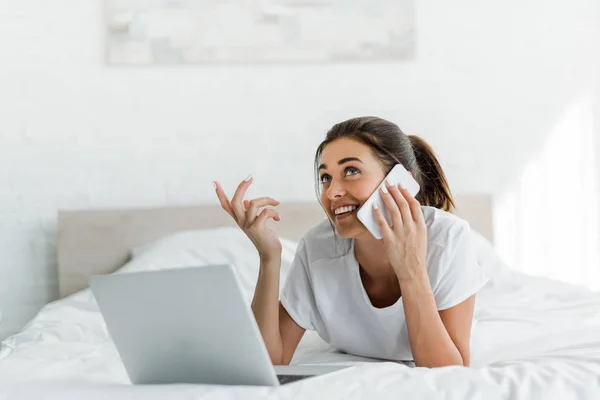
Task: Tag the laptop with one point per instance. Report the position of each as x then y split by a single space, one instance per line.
189 325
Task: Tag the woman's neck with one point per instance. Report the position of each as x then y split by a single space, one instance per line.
372 258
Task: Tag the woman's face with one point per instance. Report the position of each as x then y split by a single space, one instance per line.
349 173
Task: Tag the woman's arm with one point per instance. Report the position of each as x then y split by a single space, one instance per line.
436 339
279 331
265 306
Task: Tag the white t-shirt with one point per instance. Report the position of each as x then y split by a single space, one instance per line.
324 291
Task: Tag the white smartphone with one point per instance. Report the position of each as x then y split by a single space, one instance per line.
365 213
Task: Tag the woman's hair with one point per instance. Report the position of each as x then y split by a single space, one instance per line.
391 146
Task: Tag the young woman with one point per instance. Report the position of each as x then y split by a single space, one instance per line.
409 296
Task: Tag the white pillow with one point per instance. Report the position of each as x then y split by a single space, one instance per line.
197 248
488 258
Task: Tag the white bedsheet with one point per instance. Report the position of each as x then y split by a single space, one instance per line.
535 338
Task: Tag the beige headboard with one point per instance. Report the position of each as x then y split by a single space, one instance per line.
98 241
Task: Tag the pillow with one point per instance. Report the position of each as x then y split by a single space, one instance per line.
197 248
488 258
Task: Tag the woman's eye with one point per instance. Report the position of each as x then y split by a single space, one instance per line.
325 178
352 171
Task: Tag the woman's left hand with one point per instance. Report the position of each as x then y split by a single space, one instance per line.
406 241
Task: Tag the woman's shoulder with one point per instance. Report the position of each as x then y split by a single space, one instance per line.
443 227
321 242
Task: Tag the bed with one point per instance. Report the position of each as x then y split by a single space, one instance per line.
535 338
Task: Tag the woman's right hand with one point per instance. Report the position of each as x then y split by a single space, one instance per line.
245 213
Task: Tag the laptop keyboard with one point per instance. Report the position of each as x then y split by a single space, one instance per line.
283 379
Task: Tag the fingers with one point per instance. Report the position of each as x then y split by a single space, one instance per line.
265 214
225 203
391 206
383 225
415 207
237 200
245 212
401 203
255 204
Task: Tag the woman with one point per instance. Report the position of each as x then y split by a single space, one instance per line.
409 296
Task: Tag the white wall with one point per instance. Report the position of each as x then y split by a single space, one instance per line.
490 81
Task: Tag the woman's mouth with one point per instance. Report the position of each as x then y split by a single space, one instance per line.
341 213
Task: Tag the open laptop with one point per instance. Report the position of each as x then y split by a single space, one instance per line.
188 325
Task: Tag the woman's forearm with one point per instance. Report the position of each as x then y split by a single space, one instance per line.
265 306
430 342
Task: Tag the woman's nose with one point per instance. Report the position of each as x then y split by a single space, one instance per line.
335 190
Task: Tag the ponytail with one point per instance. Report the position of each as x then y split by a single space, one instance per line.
435 191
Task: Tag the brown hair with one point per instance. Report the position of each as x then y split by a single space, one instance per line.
391 146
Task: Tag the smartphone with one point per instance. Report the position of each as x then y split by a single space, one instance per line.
365 213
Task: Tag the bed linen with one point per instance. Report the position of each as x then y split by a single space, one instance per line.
535 338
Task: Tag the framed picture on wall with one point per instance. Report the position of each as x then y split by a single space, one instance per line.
255 31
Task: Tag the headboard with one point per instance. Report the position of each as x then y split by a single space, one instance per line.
99 241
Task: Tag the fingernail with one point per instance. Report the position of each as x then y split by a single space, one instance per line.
384 189
248 178
214 184
401 185
375 206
